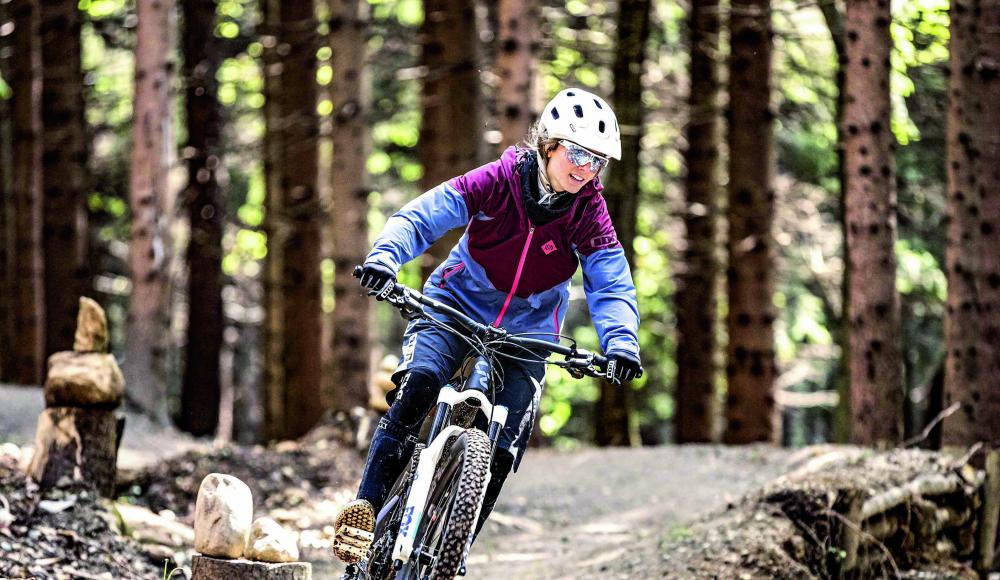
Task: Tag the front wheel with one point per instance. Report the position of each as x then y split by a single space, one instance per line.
451 510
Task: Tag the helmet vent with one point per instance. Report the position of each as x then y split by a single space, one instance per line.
578 110
598 103
570 94
600 127
555 113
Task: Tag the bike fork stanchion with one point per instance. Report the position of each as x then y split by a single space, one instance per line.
441 418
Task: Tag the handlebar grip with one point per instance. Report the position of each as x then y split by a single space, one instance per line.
357 272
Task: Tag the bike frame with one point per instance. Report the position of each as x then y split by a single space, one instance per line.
412 304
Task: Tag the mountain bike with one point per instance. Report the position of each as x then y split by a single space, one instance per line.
426 527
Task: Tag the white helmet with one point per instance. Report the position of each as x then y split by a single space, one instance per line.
585 119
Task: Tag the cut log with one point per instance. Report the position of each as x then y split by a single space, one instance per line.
989 513
81 444
934 484
206 568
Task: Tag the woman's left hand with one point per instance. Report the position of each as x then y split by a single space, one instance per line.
623 367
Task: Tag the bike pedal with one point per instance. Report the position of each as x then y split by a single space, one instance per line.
354 531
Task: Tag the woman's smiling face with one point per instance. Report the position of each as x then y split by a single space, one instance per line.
564 175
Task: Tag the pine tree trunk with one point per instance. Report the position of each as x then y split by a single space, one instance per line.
842 414
873 308
6 203
152 142
64 173
517 62
277 232
696 282
201 388
750 358
972 324
450 135
295 402
24 354
615 425
351 315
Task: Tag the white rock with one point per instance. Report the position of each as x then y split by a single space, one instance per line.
269 542
222 516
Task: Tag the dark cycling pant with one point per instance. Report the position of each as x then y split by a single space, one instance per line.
431 356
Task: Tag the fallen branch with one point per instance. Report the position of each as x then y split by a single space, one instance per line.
930 426
935 484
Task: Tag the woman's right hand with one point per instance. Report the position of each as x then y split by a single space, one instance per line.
377 278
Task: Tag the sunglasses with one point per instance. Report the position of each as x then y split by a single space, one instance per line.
580 157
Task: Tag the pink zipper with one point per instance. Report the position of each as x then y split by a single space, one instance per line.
517 277
450 272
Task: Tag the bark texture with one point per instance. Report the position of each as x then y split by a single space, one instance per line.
294 392
450 135
64 174
873 308
24 337
80 444
696 282
201 388
972 324
152 144
834 18
6 211
517 62
274 138
750 359
614 423
207 568
349 184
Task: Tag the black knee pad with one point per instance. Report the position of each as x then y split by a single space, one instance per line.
411 400
503 462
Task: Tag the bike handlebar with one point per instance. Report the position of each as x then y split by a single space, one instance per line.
408 299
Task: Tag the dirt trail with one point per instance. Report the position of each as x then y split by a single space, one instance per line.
602 513
595 513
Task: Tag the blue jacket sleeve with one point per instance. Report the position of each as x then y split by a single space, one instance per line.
412 229
607 282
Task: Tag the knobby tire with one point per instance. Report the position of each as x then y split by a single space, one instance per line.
450 514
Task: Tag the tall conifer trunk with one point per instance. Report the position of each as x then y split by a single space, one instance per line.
152 146
352 312
274 300
201 387
64 174
750 359
696 282
517 63
23 339
450 130
972 324
873 306
293 389
615 425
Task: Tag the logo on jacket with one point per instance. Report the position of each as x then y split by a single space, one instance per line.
549 247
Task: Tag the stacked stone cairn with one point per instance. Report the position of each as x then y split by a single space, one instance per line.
230 547
78 433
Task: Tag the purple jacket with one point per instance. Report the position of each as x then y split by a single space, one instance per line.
508 272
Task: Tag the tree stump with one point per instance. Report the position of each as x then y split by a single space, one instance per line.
206 568
78 443
78 434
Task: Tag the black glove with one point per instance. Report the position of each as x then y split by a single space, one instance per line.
623 367
378 278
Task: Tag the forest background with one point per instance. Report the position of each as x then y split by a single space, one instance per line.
215 201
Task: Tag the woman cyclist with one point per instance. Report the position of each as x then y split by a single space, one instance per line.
531 218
